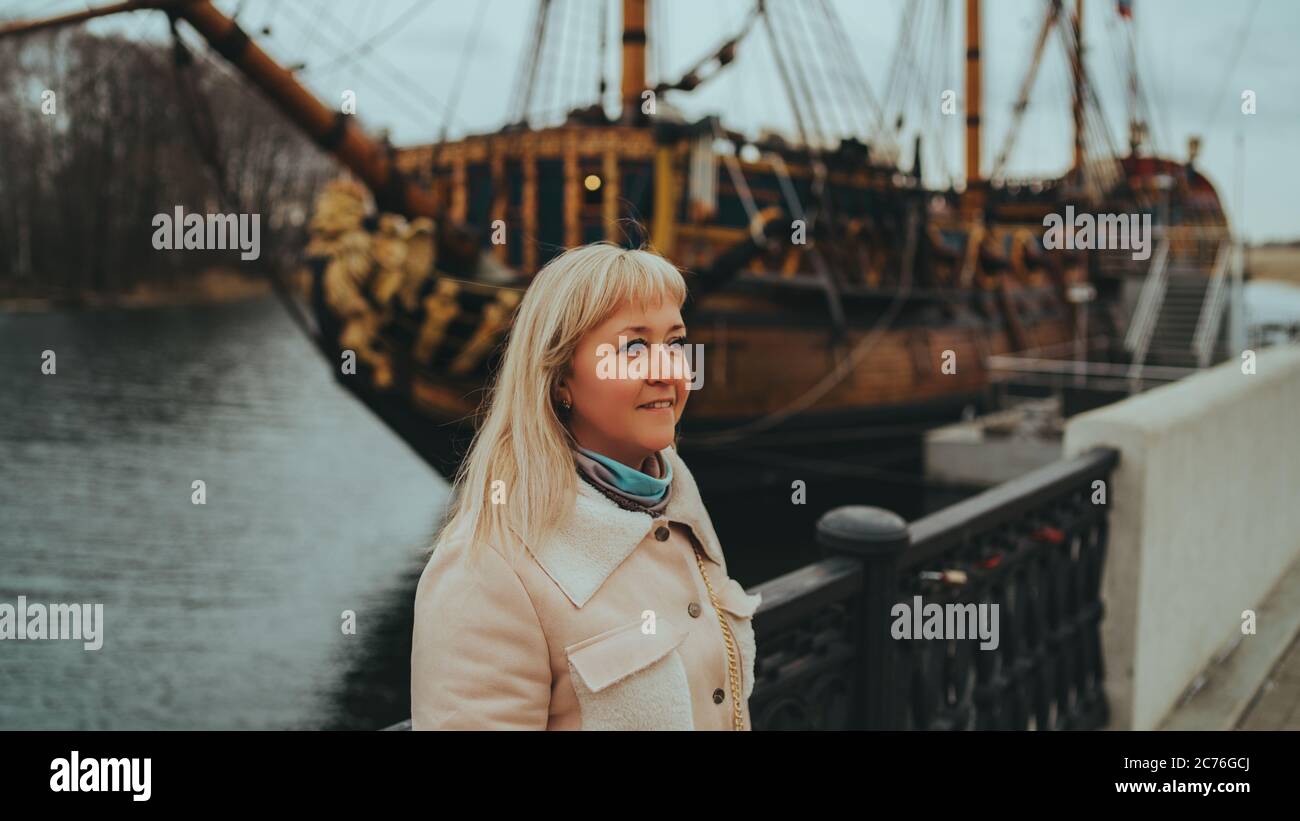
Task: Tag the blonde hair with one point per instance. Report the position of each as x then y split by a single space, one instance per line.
522 440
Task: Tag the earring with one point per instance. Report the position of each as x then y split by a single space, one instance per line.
566 403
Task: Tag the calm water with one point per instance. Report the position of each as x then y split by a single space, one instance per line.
225 615
1268 301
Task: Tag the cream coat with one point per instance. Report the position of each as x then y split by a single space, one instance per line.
591 629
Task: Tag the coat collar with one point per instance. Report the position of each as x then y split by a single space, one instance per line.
597 535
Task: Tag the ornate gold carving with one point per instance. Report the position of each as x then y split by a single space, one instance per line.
496 318
440 308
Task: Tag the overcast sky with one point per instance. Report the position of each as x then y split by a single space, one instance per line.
1196 56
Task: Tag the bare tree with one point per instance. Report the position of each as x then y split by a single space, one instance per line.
102 133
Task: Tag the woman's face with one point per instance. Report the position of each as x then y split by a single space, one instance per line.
635 357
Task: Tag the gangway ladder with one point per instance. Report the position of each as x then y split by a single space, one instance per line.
1205 340
1143 323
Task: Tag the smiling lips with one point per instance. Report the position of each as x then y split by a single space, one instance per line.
660 404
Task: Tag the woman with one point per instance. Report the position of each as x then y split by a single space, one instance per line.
578 582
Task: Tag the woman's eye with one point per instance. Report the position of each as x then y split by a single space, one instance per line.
632 347
680 342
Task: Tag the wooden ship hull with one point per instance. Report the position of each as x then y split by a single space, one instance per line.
794 364
759 362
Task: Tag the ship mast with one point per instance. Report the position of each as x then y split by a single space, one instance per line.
634 58
973 197
333 131
1076 23
1136 127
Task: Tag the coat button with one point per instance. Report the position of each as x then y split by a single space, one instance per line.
718 696
693 609
661 533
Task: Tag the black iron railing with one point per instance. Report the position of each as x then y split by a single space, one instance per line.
834 651
831 654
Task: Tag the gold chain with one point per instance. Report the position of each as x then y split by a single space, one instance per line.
732 667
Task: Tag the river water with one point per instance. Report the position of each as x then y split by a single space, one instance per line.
222 615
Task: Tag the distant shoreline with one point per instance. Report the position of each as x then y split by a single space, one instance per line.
1278 262
213 287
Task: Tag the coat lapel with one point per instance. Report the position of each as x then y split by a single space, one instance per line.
598 535
687 507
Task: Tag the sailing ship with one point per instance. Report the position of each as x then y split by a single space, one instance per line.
841 304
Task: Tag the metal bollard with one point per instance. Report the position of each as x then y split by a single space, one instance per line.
877 538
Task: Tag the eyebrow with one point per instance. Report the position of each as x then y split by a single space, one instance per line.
641 329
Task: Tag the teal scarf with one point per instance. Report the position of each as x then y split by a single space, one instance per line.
632 481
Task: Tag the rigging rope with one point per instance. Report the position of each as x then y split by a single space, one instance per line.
375 39
948 80
459 82
900 66
661 66
809 57
787 186
1215 100
574 52
784 74
550 64
526 73
603 32
424 97
852 71
934 118
737 175
796 85
1051 19
1166 133
1096 129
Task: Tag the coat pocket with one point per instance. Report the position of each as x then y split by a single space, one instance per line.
629 680
740 607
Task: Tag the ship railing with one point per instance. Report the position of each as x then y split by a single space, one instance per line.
1143 324
1055 366
837 643
1158 373
1211 316
835 652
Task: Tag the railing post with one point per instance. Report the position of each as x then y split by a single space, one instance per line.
877 538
